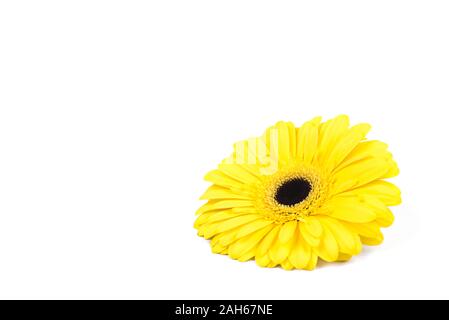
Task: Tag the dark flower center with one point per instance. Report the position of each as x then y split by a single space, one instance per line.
293 191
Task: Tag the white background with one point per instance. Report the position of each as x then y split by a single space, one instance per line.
111 112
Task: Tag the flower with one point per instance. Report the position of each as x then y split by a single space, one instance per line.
296 195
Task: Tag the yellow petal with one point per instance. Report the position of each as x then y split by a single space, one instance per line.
245 210
307 142
215 192
347 143
263 260
312 262
373 241
245 244
351 210
315 121
393 170
308 237
217 248
214 216
224 204
347 242
364 150
359 174
384 216
329 133
285 152
292 139
286 265
313 226
368 230
287 231
219 178
358 243
252 227
279 251
228 237
278 141
247 256
238 172
266 243
211 230
344 257
385 191
328 248
300 253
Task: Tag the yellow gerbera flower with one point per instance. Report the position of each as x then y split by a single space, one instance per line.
295 195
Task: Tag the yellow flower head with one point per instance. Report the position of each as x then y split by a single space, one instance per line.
295 195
